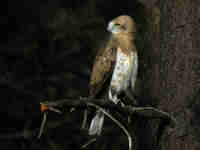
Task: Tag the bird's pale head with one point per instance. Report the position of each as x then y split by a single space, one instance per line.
122 24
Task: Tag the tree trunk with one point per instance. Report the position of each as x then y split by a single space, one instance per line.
177 82
172 76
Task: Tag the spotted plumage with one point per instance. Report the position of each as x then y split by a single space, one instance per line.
124 74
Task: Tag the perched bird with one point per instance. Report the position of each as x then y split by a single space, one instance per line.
117 61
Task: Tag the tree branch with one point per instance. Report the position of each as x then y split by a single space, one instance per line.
149 112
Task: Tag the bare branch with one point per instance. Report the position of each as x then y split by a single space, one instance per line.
42 125
149 112
84 103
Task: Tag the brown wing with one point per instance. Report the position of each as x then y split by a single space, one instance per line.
103 67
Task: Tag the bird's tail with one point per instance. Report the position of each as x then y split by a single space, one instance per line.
97 124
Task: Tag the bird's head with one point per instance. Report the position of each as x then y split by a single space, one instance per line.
123 24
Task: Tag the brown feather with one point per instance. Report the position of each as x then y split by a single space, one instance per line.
103 67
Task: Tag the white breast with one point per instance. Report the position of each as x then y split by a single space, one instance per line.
125 71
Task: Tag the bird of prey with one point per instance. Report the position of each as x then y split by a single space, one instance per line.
117 61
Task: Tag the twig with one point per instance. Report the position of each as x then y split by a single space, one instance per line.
84 119
42 125
151 112
88 143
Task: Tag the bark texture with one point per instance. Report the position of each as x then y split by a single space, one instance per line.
178 76
170 73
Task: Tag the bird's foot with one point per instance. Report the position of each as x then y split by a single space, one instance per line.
121 103
113 97
118 102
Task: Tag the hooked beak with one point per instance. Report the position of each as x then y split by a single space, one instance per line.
110 27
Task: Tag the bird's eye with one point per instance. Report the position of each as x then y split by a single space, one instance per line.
117 24
121 26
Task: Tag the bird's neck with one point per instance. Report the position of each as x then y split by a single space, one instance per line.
125 42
